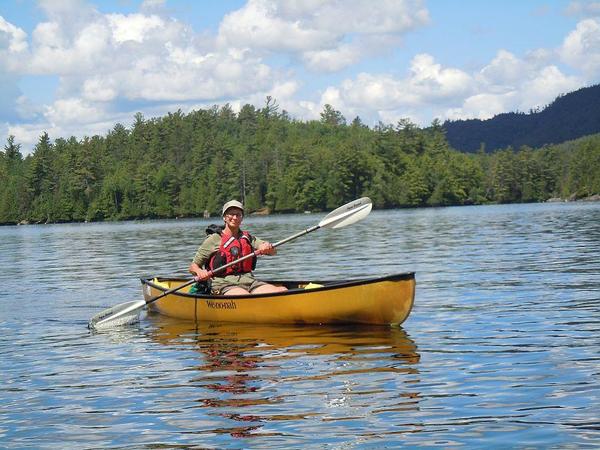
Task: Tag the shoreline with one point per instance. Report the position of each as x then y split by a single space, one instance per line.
571 199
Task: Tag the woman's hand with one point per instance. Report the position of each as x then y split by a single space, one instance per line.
266 248
202 275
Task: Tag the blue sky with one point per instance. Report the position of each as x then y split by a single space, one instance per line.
76 67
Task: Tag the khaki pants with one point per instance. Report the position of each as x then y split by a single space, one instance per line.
220 285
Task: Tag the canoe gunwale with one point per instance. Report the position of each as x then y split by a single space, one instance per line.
327 285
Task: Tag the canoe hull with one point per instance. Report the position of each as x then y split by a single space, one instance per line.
377 301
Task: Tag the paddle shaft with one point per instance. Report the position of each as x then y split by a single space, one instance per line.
359 209
254 253
297 235
170 291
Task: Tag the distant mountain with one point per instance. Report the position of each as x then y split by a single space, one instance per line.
568 117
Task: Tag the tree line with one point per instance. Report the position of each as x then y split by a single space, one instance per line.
183 165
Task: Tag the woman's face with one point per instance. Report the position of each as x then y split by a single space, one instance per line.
233 217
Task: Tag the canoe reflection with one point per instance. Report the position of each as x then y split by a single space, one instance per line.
258 374
220 339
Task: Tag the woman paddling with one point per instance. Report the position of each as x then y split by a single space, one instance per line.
230 244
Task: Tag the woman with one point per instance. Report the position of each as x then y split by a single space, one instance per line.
230 244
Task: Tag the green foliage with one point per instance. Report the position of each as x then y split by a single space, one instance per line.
182 165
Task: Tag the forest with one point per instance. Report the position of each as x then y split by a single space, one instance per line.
188 165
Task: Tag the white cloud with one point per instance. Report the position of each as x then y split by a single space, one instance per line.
96 89
54 51
581 48
104 61
430 80
504 69
332 60
13 44
284 90
259 25
105 58
73 111
426 83
12 39
429 90
544 87
509 83
28 134
482 106
325 35
134 27
135 56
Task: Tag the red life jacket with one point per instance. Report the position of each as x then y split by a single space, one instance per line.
232 248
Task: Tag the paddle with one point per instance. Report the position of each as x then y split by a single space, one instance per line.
125 313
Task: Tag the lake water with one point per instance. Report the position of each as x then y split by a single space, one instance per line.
502 348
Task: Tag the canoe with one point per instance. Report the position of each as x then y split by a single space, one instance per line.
385 300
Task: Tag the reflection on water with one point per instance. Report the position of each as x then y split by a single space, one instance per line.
502 347
263 379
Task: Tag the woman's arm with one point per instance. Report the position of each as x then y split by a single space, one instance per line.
203 254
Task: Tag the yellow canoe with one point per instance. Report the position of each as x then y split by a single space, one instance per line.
384 300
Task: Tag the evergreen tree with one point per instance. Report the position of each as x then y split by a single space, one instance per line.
186 164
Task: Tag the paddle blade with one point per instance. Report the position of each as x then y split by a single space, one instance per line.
347 214
123 314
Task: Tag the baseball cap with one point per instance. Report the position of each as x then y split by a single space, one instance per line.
232 204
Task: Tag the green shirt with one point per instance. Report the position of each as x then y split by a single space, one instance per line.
212 243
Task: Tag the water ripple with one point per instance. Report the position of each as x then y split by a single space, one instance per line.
501 349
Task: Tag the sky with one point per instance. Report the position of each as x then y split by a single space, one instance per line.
79 67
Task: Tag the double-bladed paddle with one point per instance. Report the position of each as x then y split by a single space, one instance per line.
128 312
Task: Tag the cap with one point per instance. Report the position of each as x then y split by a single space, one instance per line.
232 204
